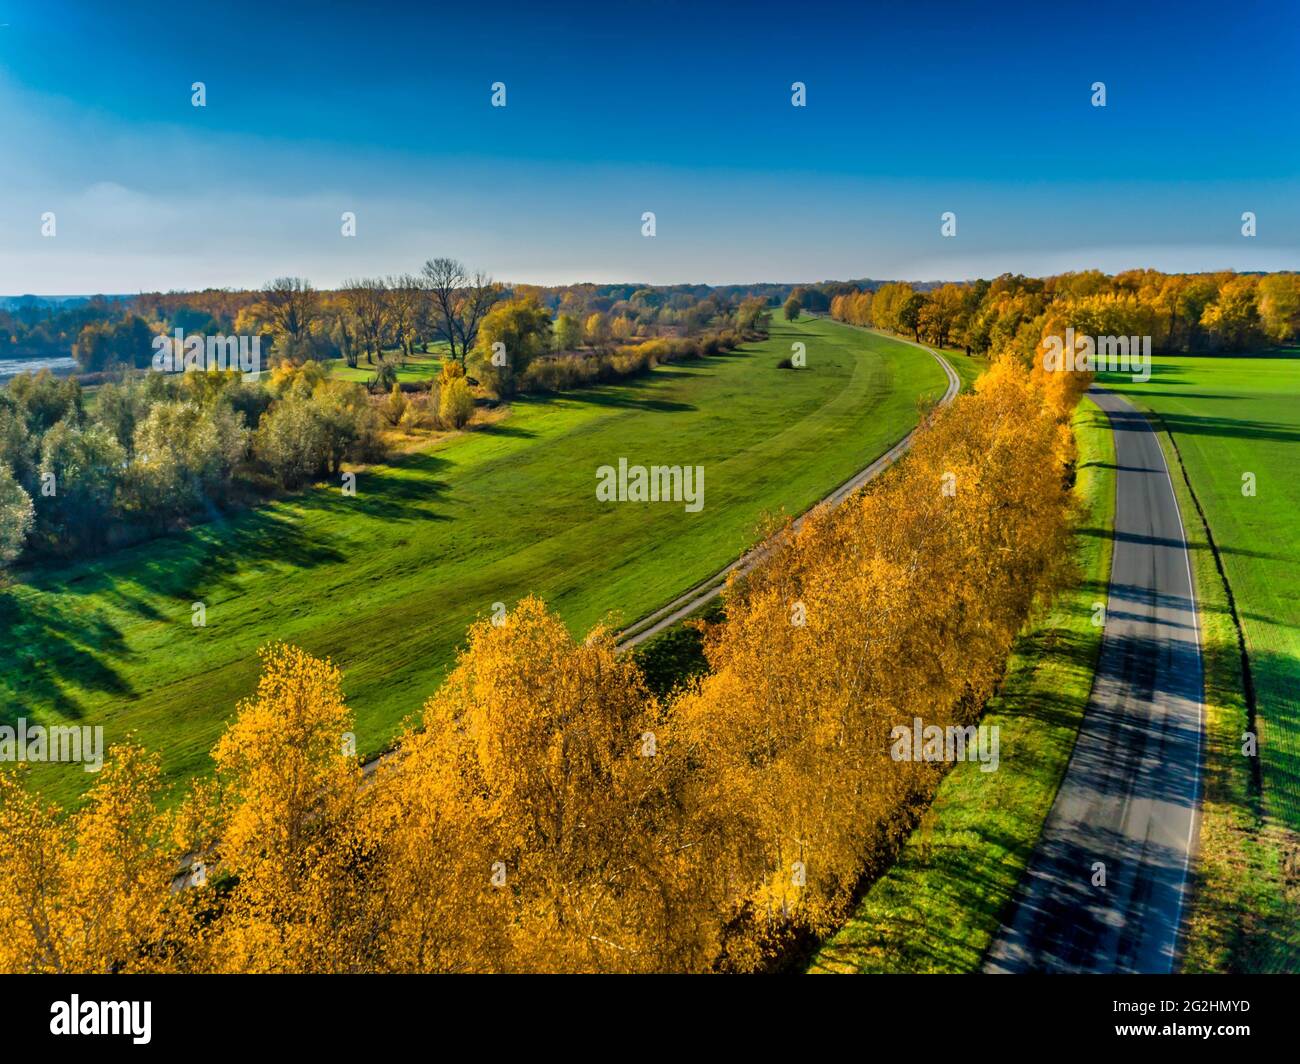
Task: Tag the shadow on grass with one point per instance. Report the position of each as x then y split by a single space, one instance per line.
1193 545
45 648
502 428
59 637
406 490
1207 425
617 397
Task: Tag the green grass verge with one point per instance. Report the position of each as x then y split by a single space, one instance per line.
386 582
1247 892
968 367
938 906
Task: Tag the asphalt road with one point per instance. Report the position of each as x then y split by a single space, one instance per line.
690 601
1130 797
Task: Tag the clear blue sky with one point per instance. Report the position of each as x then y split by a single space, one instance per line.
614 109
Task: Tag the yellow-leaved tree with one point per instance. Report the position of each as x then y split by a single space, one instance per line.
90 891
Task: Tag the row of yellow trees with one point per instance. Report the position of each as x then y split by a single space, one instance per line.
549 813
1181 313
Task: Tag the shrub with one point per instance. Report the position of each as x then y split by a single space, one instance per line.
455 403
86 464
421 412
306 437
560 374
385 378
394 407
183 455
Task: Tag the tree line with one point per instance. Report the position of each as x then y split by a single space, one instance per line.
1182 313
444 304
158 449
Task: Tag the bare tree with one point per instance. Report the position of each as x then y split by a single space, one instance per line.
367 301
476 300
340 325
459 303
290 305
404 297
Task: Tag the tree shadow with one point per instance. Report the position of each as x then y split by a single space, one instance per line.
1192 545
611 397
501 428
1207 425
45 647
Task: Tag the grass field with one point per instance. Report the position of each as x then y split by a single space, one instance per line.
386 582
938 906
419 367
1223 417
968 367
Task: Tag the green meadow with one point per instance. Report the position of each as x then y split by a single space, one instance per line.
420 367
1232 419
386 582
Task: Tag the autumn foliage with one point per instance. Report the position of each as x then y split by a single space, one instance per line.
1008 316
547 812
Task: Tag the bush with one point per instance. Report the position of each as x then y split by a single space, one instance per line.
385 378
455 403
184 455
394 407
421 412
307 437
560 374
86 465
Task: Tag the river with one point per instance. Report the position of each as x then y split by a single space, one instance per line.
11 367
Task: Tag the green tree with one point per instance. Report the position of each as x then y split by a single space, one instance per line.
183 455
512 334
120 407
567 333
17 515
18 449
84 465
909 314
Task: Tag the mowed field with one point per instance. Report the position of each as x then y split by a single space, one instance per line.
386 582
1230 417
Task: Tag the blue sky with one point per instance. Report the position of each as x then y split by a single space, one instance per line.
614 109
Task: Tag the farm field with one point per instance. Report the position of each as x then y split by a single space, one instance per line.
386 582
1229 417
